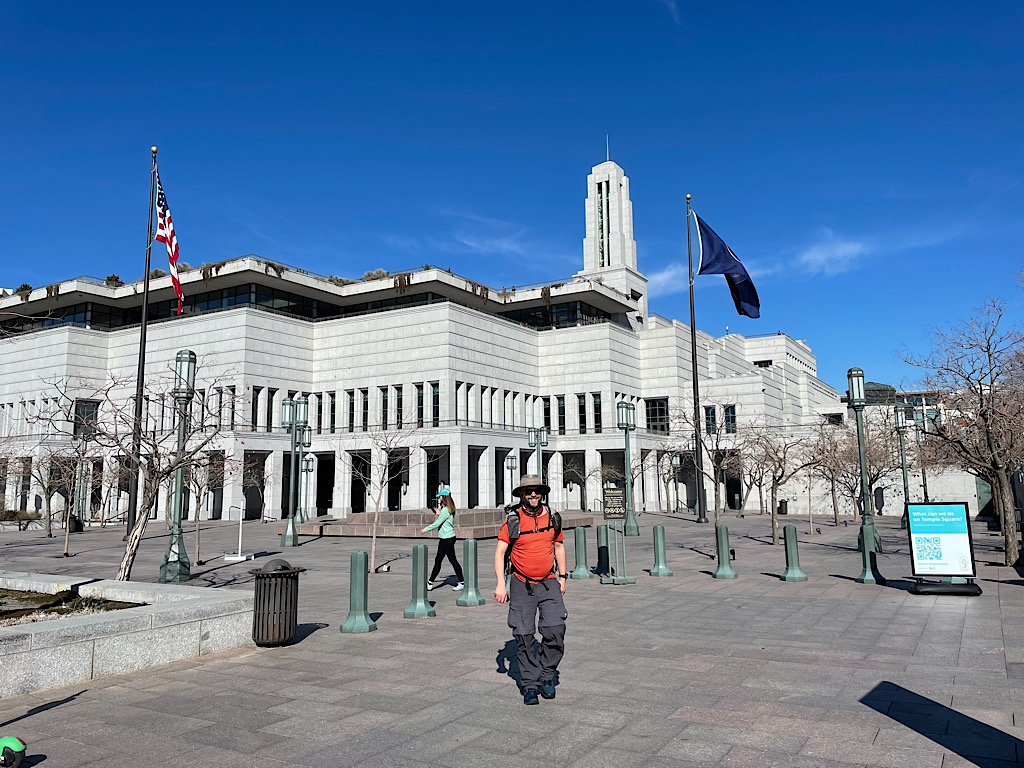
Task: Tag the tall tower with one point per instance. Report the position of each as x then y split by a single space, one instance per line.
609 251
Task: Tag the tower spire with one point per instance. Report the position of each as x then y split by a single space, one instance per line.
607 149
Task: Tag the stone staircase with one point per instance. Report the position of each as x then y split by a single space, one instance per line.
472 524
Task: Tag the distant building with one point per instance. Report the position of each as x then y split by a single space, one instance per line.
474 367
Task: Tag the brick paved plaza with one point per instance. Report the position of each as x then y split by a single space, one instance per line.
673 672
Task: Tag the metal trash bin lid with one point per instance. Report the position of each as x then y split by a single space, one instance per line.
276 567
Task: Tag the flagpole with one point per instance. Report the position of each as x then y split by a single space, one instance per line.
135 458
698 459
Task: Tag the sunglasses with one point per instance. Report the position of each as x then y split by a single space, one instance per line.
532 492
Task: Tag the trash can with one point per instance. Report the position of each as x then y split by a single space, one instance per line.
784 507
275 614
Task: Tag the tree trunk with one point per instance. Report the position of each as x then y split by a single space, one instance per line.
774 512
48 512
373 537
1002 497
124 572
760 498
835 503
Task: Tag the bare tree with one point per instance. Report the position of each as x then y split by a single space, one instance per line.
392 451
112 433
782 454
977 369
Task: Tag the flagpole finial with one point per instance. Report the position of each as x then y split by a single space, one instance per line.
154 150
688 196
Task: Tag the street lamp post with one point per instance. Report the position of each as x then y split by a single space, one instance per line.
676 462
176 565
538 439
627 423
510 465
305 440
868 535
901 431
294 415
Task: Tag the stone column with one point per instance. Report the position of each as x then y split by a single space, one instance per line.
272 484
486 489
458 476
652 486
342 492
309 485
485 407
261 410
472 412
234 471
416 498
557 482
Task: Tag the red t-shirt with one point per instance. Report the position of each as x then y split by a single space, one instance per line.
533 555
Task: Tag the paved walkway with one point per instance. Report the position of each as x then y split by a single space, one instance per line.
673 672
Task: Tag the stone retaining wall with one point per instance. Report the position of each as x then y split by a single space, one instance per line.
177 622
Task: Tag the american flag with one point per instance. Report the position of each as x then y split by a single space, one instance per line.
165 234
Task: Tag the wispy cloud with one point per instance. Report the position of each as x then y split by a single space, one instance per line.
831 254
675 278
673 9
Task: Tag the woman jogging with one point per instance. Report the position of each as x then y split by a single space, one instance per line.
445 524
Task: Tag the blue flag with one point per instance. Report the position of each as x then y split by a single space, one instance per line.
717 258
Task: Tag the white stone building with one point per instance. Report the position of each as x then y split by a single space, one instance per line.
474 365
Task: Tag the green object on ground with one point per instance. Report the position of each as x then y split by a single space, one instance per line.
581 571
12 752
792 572
419 608
358 620
660 567
724 569
470 591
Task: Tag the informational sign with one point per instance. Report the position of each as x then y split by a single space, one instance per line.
614 504
940 539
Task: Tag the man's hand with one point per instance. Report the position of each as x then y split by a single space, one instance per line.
561 583
501 595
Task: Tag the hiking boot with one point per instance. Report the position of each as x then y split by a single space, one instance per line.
530 696
547 690
431 585
458 587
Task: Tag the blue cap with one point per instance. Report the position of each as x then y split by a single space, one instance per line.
443 492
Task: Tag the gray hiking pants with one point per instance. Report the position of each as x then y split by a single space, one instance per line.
536 665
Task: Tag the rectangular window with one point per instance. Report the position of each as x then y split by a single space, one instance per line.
657 415
271 393
383 408
419 405
365 395
86 415
320 413
763 363
710 420
597 413
547 413
730 419
350 394
332 412
201 402
398 406
435 403
231 408
220 408
560 400
581 402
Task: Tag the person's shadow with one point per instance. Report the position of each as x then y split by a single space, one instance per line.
508 662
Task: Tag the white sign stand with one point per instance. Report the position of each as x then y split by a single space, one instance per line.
239 556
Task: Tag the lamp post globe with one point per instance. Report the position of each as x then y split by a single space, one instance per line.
869 540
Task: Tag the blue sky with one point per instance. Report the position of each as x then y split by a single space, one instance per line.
864 161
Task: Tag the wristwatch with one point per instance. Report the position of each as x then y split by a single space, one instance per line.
563 575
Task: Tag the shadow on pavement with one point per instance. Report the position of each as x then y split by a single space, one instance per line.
972 739
508 662
305 630
43 708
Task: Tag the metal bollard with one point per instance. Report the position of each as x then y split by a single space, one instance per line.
581 571
660 568
792 572
419 608
602 551
724 569
470 592
358 620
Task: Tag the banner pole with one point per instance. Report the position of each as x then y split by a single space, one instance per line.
698 459
135 458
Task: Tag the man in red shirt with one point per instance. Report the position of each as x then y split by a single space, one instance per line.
536 586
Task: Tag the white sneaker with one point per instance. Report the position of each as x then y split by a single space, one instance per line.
458 587
431 585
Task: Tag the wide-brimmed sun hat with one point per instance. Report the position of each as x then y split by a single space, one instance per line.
531 481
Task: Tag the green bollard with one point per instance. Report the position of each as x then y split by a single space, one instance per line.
581 571
660 568
724 569
470 593
793 572
602 551
419 608
358 620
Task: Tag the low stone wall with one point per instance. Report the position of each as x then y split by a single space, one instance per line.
176 622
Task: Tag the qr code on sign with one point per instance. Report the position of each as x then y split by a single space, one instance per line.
929 548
